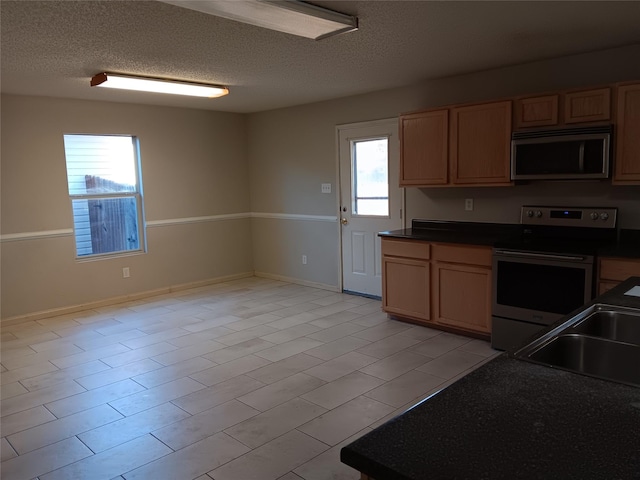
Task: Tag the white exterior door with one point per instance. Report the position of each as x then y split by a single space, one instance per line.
370 200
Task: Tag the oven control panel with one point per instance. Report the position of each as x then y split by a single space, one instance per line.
590 217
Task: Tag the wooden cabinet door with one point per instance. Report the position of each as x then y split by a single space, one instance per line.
604 286
619 269
462 296
627 159
536 112
612 271
424 149
587 106
480 139
405 287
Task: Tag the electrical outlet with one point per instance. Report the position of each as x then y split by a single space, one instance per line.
304 259
125 272
468 204
326 188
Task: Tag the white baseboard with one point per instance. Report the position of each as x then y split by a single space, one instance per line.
297 281
120 299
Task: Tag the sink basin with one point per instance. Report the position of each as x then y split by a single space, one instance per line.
597 357
613 325
601 341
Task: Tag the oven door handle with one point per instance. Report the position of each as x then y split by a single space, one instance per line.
539 255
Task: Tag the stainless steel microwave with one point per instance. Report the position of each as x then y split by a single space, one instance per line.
562 154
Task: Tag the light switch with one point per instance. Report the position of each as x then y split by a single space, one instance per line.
326 188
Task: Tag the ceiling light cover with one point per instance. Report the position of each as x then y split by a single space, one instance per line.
157 85
288 16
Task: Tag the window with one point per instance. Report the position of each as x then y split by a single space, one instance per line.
104 186
370 177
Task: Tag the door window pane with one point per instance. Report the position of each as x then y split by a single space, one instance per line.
370 175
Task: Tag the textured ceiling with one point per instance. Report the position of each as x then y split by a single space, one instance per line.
52 48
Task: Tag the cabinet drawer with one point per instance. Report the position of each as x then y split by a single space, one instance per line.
469 255
405 248
619 269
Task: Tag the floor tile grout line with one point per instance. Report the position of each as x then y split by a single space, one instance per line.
270 293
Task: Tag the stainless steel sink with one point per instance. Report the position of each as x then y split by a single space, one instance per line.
602 341
611 324
593 356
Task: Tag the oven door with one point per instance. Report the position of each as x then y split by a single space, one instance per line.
540 288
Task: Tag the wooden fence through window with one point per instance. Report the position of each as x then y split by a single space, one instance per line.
113 221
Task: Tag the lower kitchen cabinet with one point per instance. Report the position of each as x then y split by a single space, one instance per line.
442 285
406 288
461 287
612 271
462 296
405 278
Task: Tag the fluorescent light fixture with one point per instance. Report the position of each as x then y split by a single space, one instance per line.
288 16
157 85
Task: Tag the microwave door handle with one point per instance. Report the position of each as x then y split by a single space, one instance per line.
581 158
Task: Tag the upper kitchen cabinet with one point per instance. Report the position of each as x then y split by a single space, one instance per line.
459 146
627 158
479 142
470 144
563 108
424 149
536 112
587 106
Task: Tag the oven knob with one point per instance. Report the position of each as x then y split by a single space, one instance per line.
594 216
538 213
529 213
604 216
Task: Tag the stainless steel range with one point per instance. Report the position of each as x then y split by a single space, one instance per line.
547 272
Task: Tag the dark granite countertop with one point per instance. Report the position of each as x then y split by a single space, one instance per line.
470 233
488 234
627 246
512 419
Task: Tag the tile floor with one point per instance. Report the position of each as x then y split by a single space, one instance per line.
250 379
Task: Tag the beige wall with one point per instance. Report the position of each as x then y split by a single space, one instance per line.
280 243
194 164
202 163
292 151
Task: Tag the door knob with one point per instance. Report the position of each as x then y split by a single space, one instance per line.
344 221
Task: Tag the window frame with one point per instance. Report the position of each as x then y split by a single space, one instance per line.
136 195
354 179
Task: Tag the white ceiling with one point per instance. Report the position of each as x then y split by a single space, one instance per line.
52 48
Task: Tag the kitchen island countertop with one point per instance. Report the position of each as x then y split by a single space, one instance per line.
512 419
